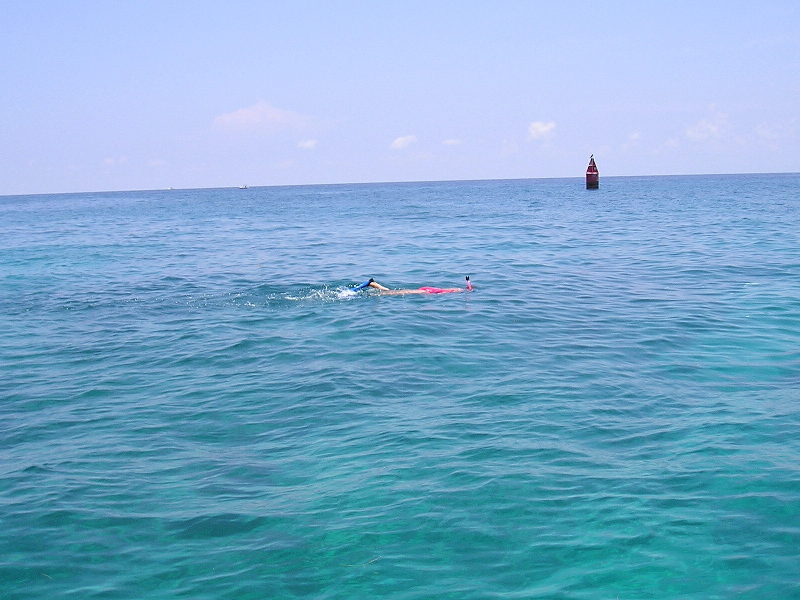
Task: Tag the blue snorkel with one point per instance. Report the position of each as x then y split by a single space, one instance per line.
363 285
349 293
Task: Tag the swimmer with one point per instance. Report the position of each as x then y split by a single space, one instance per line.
423 290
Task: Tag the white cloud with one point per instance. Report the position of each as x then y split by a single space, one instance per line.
711 128
260 117
540 129
307 144
767 133
403 142
633 141
703 130
452 142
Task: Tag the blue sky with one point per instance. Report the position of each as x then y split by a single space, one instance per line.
143 95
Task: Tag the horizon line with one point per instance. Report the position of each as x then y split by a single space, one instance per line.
283 185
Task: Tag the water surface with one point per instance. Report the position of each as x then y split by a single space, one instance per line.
189 408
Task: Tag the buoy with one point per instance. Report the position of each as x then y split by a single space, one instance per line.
592 176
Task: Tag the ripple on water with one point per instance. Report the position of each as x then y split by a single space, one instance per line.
193 405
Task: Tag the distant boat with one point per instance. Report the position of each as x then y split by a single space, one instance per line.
592 175
242 187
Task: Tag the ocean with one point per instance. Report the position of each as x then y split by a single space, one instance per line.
190 407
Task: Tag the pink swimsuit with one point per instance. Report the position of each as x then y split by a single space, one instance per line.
433 290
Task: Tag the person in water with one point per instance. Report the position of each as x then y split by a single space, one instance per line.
423 290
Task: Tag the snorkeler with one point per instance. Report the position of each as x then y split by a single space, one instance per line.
423 290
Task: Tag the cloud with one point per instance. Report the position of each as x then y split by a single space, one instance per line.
540 129
703 130
633 141
403 142
711 128
452 142
260 117
767 133
307 144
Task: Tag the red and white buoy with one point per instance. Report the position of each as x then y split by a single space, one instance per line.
592 176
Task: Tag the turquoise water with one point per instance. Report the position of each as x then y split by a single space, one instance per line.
190 409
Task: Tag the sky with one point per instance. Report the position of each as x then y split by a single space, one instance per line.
128 95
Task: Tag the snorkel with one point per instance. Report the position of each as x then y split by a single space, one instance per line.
363 285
